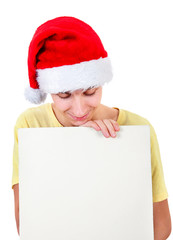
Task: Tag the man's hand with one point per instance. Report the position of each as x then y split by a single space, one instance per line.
108 127
16 203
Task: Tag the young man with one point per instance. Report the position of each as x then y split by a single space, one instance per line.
67 60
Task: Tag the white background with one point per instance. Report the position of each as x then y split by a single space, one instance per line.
138 37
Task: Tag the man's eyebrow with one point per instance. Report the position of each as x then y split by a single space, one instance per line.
65 92
82 91
89 89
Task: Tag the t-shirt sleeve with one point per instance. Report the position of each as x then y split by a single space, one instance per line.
158 182
20 123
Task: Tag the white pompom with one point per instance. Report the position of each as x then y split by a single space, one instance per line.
35 96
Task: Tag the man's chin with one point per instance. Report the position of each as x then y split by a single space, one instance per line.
79 123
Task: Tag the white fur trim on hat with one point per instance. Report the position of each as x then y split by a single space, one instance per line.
34 95
77 76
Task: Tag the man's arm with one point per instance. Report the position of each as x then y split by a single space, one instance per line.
16 203
162 220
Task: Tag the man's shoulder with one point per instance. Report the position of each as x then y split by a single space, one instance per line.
131 118
32 113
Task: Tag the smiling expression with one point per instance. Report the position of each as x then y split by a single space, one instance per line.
78 107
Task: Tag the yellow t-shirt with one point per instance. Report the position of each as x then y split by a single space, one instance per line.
43 116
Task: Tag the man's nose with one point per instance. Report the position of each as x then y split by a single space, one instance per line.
79 109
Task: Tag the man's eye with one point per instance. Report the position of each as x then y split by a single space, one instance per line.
90 94
67 95
64 95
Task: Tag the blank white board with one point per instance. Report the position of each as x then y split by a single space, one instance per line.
75 184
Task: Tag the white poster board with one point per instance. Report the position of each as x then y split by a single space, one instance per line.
75 184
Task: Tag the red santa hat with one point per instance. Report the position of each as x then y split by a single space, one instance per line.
65 54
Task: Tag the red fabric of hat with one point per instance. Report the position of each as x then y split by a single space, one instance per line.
65 54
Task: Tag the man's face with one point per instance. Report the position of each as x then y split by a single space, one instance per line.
77 107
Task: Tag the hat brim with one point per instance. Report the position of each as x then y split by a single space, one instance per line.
77 76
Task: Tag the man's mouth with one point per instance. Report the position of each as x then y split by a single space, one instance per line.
79 118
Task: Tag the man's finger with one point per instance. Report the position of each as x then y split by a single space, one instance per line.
91 124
